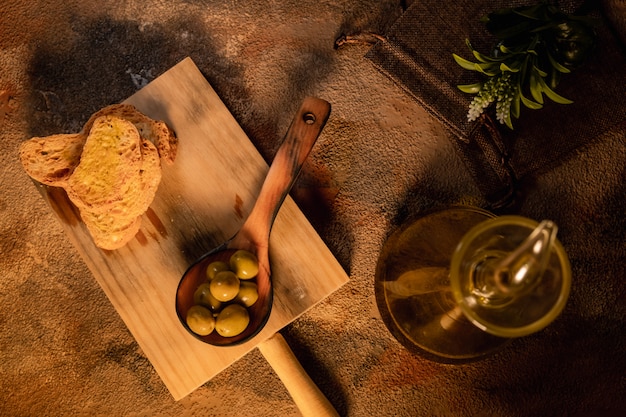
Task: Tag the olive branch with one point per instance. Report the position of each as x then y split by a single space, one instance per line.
536 46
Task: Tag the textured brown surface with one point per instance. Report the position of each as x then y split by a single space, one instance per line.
65 351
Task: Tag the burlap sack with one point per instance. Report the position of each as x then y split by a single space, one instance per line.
417 54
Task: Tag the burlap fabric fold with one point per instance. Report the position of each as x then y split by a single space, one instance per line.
417 55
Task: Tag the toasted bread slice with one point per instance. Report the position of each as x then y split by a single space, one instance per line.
155 131
139 190
52 159
110 159
111 169
111 238
113 218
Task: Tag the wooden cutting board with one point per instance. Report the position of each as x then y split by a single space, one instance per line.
202 200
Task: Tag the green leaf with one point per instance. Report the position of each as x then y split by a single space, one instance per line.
487 58
470 88
529 103
509 50
490 69
464 63
535 88
557 98
533 43
480 57
508 122
557 65
522 76
539 71
549 25
515 106
554 79
505 67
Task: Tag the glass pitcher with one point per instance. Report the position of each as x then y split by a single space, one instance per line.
458 284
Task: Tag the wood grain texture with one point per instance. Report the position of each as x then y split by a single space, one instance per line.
310 400
203 199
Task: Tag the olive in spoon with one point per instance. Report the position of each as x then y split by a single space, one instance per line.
255 232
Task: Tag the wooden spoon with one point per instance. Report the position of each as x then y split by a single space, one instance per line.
255 232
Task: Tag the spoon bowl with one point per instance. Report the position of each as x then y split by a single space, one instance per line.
255 232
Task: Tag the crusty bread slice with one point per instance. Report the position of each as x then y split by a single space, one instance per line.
110 160
155 131
111 169
109 187
111 238
52 159
139 190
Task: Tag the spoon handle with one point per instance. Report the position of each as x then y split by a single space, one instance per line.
308 398
299 140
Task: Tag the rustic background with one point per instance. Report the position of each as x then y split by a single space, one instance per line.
65 351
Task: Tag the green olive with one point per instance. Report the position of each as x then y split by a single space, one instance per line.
225 286
200 320
232 320
248 293
204 297
215 267
244 264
